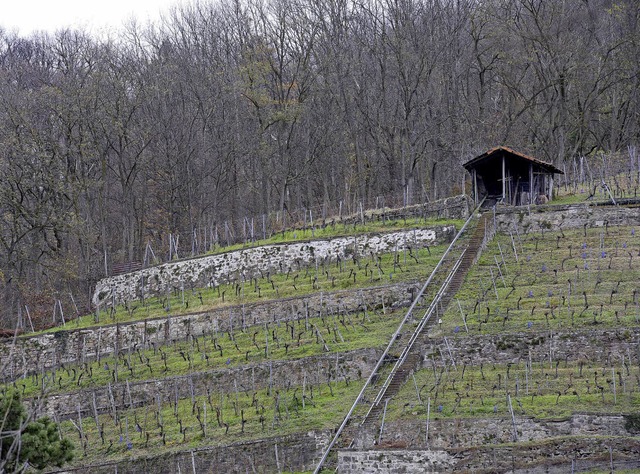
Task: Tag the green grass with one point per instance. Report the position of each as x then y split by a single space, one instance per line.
156 428
337 229
623 185
559 281
365 272
286 341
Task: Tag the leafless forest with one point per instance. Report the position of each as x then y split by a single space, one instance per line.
230 113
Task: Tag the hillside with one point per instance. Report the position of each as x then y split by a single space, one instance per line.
529 359
257 359
536 364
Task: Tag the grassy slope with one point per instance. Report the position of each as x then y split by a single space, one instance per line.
560 282
338 333
162 424
158 428
622 185
533 295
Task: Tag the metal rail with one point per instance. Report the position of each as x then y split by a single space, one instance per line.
416 333
393 338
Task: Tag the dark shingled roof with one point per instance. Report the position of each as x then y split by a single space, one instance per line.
509 153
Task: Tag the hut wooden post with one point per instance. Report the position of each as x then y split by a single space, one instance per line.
474 177
504 179
531 201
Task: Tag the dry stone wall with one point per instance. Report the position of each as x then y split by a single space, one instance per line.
555 455
453 433
243 265
394 461
601 346
556 217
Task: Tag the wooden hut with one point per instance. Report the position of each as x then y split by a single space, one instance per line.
506 176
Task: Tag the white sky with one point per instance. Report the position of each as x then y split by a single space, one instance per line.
27 16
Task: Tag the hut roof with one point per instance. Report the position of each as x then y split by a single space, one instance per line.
507 152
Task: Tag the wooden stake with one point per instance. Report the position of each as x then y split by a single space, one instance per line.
426 436
415 384
29 316
464 319
513 419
